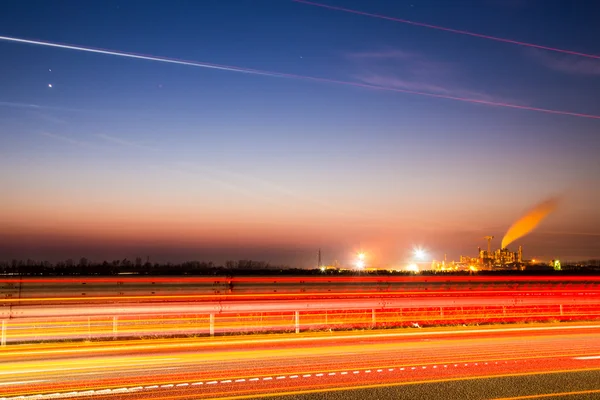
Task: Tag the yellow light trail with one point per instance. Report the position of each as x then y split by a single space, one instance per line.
156 344
262 354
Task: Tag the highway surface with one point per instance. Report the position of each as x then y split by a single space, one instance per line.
506 361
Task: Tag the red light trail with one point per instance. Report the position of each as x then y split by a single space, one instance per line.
291 76
442 28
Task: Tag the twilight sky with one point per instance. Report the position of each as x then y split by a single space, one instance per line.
110 157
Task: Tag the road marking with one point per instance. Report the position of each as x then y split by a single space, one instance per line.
410 383
587 358
268 378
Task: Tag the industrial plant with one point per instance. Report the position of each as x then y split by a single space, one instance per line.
486 260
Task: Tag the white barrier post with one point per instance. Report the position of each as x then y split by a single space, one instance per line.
3 333
89 329
561 310
297 317
212 325
373 319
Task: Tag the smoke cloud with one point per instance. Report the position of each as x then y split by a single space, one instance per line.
529 221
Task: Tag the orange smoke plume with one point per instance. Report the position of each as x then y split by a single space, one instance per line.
529 221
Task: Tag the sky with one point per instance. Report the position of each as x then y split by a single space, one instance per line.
107 157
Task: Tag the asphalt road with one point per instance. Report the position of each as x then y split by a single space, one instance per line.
444 363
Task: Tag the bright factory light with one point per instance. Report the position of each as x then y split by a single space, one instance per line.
420 254
360 264
412 268
361 256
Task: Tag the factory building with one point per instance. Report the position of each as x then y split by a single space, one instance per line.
486 260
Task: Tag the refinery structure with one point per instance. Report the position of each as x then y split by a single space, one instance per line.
486 260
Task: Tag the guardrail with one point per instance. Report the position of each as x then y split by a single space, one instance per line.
113 321
98 289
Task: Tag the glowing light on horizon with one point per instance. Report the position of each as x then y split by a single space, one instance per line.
419 253
291 76
412 268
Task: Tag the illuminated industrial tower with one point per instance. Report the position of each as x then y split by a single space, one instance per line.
489 240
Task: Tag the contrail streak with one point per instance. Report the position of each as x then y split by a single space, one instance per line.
442 28
291 76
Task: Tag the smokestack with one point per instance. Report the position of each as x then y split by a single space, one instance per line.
319 259
520 254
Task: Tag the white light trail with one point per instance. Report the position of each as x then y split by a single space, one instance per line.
133 55
291 76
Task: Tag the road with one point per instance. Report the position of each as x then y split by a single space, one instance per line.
464 362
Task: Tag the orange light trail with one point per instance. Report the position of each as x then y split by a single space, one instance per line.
257 296
466 358
292 76
457 31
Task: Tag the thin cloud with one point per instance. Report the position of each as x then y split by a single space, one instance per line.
20 105
66 139
382 55
414 72
392 81
123 142
566 63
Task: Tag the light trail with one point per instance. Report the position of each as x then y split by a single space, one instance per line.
291 76
232 372
457 31
185 343
393 384
301 295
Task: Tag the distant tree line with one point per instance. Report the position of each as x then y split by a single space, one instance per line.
85 267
